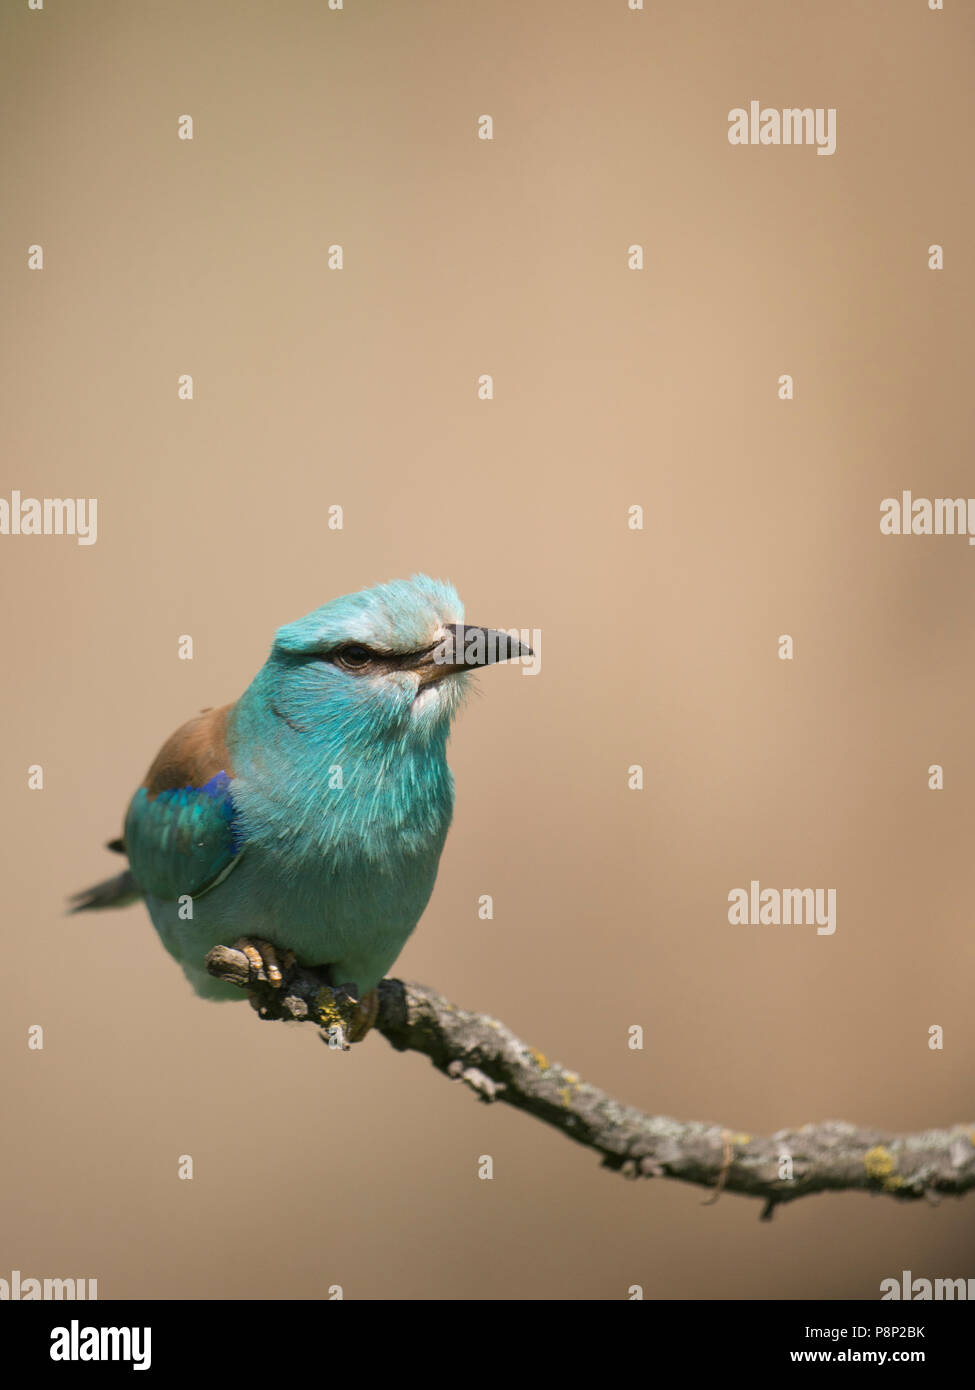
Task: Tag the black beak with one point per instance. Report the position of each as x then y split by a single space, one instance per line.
466 648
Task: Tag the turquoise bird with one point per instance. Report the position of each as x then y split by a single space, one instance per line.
309 816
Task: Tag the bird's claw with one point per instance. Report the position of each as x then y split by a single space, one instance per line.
344 1017
366 1014
266 966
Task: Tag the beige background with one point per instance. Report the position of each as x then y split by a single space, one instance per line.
613 387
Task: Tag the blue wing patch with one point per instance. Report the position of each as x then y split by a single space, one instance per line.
183 839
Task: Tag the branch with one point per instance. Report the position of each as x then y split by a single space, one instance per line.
486 1056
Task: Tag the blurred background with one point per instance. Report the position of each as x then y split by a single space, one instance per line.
358 388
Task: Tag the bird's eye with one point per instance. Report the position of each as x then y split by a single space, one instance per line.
353 658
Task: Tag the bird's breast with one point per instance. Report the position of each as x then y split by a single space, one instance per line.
344 812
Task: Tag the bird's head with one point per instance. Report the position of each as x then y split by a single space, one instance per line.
392 661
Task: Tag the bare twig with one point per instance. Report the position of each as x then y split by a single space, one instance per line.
486 1056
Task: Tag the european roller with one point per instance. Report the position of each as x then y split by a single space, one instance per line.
308 817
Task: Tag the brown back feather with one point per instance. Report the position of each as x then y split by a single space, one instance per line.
193 754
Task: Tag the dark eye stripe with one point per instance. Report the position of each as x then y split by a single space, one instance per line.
354 655
357 657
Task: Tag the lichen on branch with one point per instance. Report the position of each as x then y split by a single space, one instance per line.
486 1056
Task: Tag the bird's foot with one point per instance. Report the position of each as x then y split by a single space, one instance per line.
343 1016
366 1014
267 967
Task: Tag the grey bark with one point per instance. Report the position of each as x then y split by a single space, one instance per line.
486 1056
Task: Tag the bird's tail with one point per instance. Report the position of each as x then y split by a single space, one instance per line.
112 892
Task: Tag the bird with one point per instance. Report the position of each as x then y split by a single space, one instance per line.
305 821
